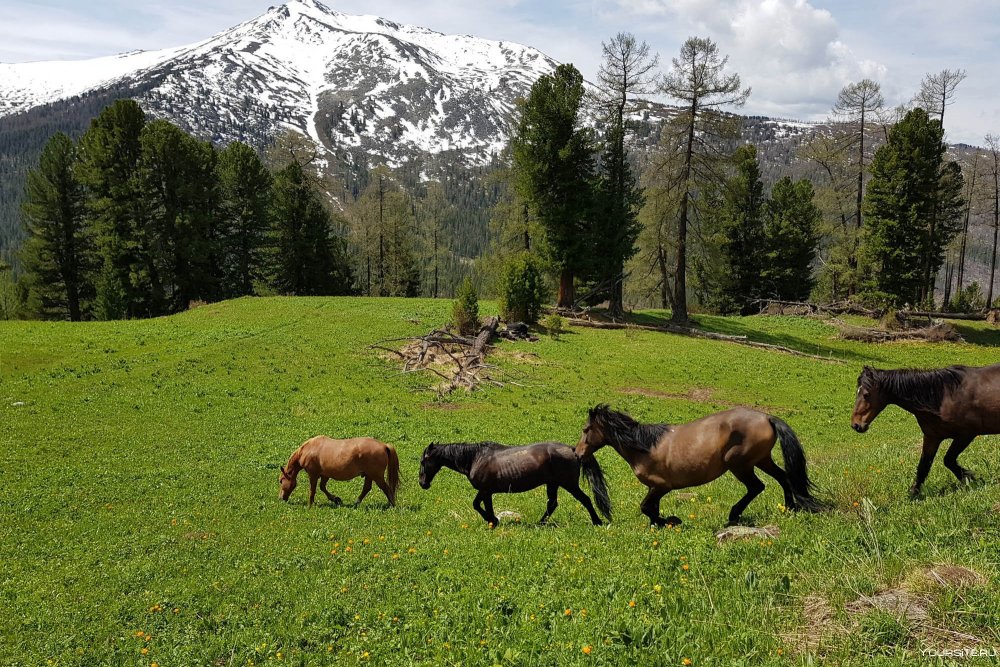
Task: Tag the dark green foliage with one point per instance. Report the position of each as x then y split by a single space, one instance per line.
521 288
791 232
617 225
245 196
969 299
553 168
465 311
177 185
911 209
732 281
59 255
109 157
310 260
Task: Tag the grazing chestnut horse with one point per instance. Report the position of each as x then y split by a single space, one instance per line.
666 457
958 402
493 468
324 459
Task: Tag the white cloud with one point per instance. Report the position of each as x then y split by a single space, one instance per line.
789 51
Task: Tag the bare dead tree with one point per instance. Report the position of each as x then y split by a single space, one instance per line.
698 81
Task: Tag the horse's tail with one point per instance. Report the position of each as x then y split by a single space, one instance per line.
595 478
394 479
795 466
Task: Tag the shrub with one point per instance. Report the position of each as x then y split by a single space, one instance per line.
522 289
465 312
555 325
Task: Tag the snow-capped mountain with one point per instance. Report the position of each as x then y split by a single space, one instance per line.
348 82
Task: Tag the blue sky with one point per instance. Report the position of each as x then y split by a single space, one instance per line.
796 54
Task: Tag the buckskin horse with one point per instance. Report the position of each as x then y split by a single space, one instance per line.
957 402
666 457
493 468
324 459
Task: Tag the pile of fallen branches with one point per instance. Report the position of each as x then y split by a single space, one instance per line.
459 361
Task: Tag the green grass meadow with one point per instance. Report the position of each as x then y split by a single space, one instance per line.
140 523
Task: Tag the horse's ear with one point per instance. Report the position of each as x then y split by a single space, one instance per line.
430 447
283 470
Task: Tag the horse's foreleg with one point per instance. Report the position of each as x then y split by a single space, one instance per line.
650 506
584 499
927 454
322 487
958 446
477 504
364 490
491 517
754 489
313 479
771 468
553 491
390 496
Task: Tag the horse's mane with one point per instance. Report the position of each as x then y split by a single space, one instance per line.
464 452
913 388
620 429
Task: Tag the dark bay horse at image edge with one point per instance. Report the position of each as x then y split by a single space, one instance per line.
493 468
325 458
957 402
666 457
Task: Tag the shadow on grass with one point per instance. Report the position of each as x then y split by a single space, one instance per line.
733 326
976 335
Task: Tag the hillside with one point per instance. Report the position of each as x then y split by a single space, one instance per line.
141 506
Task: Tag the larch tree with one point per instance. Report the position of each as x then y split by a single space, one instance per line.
626 72
858 104
993 146
697 80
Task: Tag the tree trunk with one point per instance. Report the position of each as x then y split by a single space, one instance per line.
949 272
661 260
852 261
616 301
996 230
965 226
680 313
567 294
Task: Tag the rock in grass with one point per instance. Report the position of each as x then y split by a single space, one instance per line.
508 515
746 532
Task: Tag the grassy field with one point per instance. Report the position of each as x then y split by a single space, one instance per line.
140 525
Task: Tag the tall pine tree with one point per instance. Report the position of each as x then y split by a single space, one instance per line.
310 260
245 194
909 189
59 255
129 285
791 229
553 169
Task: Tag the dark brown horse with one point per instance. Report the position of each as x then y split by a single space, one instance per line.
493 468
666 457
958 402
324 459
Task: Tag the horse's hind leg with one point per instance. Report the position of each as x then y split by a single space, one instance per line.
584 499
754 489
553 490
364 490
771 468
380 482
958 446
650 506
322 487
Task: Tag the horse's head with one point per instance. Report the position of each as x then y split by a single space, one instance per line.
429 466
870 400
287 482
593 436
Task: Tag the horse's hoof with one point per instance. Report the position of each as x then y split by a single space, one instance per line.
914 492
672 521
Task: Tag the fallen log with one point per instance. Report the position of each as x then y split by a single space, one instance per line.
698 333
942 316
